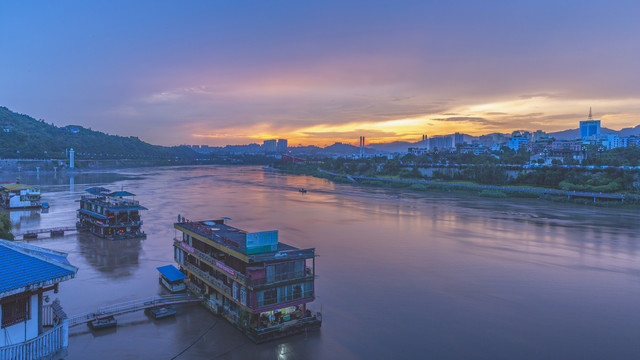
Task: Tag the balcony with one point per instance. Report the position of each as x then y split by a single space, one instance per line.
204 276
285 299
51 344
282 278
210 260
243 279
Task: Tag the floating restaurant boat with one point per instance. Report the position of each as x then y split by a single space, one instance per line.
110 215
19 196
257 283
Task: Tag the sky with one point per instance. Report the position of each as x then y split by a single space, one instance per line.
240 72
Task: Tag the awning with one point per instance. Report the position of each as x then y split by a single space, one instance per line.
100 191
121 194
93 214
171 273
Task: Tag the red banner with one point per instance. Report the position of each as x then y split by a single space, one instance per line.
225 268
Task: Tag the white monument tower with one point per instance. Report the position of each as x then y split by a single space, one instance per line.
71 158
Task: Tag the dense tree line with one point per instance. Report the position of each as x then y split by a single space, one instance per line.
5 227
22 136
491 169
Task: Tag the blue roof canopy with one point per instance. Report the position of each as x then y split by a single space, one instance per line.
171 273
121 193
98 191
94 214
25 266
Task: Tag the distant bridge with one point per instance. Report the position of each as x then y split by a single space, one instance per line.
292 159
132 306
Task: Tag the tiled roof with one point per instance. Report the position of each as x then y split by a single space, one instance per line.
24 265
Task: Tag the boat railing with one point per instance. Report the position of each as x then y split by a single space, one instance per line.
211 261
307 274
194 289
205 276
286 298
313 319
112 203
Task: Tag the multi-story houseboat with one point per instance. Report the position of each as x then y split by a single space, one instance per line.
19 196
110 215
260 285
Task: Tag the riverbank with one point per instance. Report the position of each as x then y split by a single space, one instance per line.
579 197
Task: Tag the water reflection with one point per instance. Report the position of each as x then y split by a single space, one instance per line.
113 258
402 274
23 218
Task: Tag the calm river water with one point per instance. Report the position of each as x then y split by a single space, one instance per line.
402 275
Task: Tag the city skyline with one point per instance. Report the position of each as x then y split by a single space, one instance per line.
230 73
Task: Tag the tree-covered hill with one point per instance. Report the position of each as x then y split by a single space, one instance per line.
22 136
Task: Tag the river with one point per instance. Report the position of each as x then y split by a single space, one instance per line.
402 274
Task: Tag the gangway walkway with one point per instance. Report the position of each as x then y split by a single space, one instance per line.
57 231
131 306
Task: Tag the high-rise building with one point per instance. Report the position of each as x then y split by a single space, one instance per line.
269 146
589 127
518 142
458 139
281 147
440 142
539 135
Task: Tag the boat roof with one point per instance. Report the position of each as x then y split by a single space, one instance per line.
121 194
98 191
17 186
171 273
94 214
37 267
236 239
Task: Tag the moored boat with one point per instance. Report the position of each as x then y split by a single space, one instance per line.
161 311
103 323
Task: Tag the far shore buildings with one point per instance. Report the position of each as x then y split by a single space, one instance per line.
589 127
282 146
32 328
269 146
257 283
17 196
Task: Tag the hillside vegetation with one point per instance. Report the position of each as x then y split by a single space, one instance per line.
22 136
